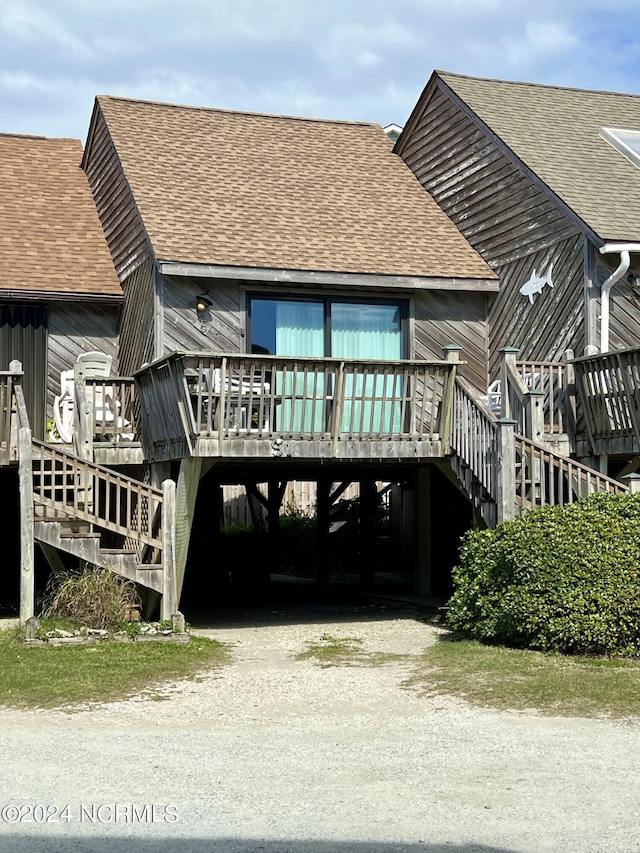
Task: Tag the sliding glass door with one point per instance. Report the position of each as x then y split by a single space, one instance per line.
331 327
372 332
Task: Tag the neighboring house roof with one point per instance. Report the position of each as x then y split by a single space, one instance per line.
51 241
241 189
555 132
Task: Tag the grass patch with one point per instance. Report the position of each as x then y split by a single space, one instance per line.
56 676
344 651
497 677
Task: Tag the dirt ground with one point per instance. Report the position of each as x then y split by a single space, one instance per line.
275 754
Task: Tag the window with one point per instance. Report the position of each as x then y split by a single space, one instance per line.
336 328
627 142
328 327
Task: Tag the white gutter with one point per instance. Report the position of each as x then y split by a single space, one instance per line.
623 249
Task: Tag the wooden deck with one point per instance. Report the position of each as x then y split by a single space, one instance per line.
248 406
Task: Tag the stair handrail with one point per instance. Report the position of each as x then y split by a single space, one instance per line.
114 496
9 380
522 403
474 435
549 489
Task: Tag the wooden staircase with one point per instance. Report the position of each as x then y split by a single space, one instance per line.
97 515
505 474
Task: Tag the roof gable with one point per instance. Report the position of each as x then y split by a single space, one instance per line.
51 241
555 132
248 190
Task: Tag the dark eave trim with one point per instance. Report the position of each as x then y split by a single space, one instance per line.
309 277
7 295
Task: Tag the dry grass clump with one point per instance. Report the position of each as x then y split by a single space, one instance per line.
92 596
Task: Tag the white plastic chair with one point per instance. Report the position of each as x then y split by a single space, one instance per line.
95 364
244 391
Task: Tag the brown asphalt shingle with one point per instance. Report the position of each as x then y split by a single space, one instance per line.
51 240
251 190
555 132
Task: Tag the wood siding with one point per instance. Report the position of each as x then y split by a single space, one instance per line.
514 225
219 329
118 213
74 329
453 318
554 323
137 321
439 318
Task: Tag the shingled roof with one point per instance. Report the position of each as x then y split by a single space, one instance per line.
554 131
51 240
242 189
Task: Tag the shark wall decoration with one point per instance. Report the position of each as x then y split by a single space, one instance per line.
536 283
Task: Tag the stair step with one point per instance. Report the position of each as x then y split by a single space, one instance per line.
70 534
108 551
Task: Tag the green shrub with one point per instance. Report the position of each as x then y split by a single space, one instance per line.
557 579
298 542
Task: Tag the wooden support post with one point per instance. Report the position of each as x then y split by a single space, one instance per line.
422 540
323 505
159 472
274 502
83 415
169 596
534 415
186 494
452 356
27 557
15 367
368 511
507 357
506 469
633 481
338 409
256 501
570 407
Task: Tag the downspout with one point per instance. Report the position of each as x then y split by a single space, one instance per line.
623 249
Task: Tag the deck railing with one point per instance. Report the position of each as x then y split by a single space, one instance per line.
552 380
608 386
188 396
8 423
106 410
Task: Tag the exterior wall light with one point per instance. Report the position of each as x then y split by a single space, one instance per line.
203 303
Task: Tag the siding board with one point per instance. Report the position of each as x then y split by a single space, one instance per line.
117 210
514 225
72 332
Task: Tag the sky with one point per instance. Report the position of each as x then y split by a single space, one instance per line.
366 60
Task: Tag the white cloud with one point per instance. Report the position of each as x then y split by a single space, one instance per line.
29 23
363 59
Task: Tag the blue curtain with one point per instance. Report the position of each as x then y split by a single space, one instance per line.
372 332
300 331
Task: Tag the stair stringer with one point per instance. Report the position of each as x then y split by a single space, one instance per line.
473 488
88 548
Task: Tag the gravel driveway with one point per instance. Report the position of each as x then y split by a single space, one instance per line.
274 754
